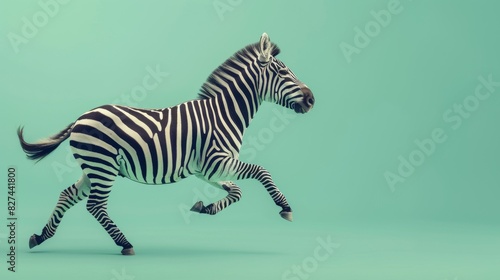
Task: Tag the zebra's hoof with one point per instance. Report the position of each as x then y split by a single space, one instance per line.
128 252
286 215
197 207
33 241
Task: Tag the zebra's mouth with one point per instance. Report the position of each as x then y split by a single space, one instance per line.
302 107
306 103
299 109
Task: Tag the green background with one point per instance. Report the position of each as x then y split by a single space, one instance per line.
441 223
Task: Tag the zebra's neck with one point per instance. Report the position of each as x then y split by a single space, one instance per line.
235 94
233 87
236 107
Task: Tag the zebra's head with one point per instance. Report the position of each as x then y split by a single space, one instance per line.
278 84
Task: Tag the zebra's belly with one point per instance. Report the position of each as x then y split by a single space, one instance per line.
152 174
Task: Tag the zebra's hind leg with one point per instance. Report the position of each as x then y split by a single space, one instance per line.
97 206
68 197
233 195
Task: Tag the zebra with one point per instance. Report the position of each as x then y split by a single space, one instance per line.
201 137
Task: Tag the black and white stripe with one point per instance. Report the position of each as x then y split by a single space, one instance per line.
200 137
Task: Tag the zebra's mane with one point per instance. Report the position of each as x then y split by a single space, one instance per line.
249 52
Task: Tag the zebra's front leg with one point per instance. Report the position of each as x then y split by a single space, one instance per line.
232 168
260 173
233 195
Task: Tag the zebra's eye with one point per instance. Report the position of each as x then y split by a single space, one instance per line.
283 72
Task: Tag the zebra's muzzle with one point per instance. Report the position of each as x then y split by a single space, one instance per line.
307 102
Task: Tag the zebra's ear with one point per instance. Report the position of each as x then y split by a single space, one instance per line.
265 48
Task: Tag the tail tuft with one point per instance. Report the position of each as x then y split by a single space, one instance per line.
38 150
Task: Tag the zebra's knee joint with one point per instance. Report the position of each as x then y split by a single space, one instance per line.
91 207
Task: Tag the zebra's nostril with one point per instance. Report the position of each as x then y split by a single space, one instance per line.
310 101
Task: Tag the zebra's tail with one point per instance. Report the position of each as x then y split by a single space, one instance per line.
38 150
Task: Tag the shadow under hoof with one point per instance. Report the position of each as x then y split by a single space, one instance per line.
33 241
286 215
128 252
